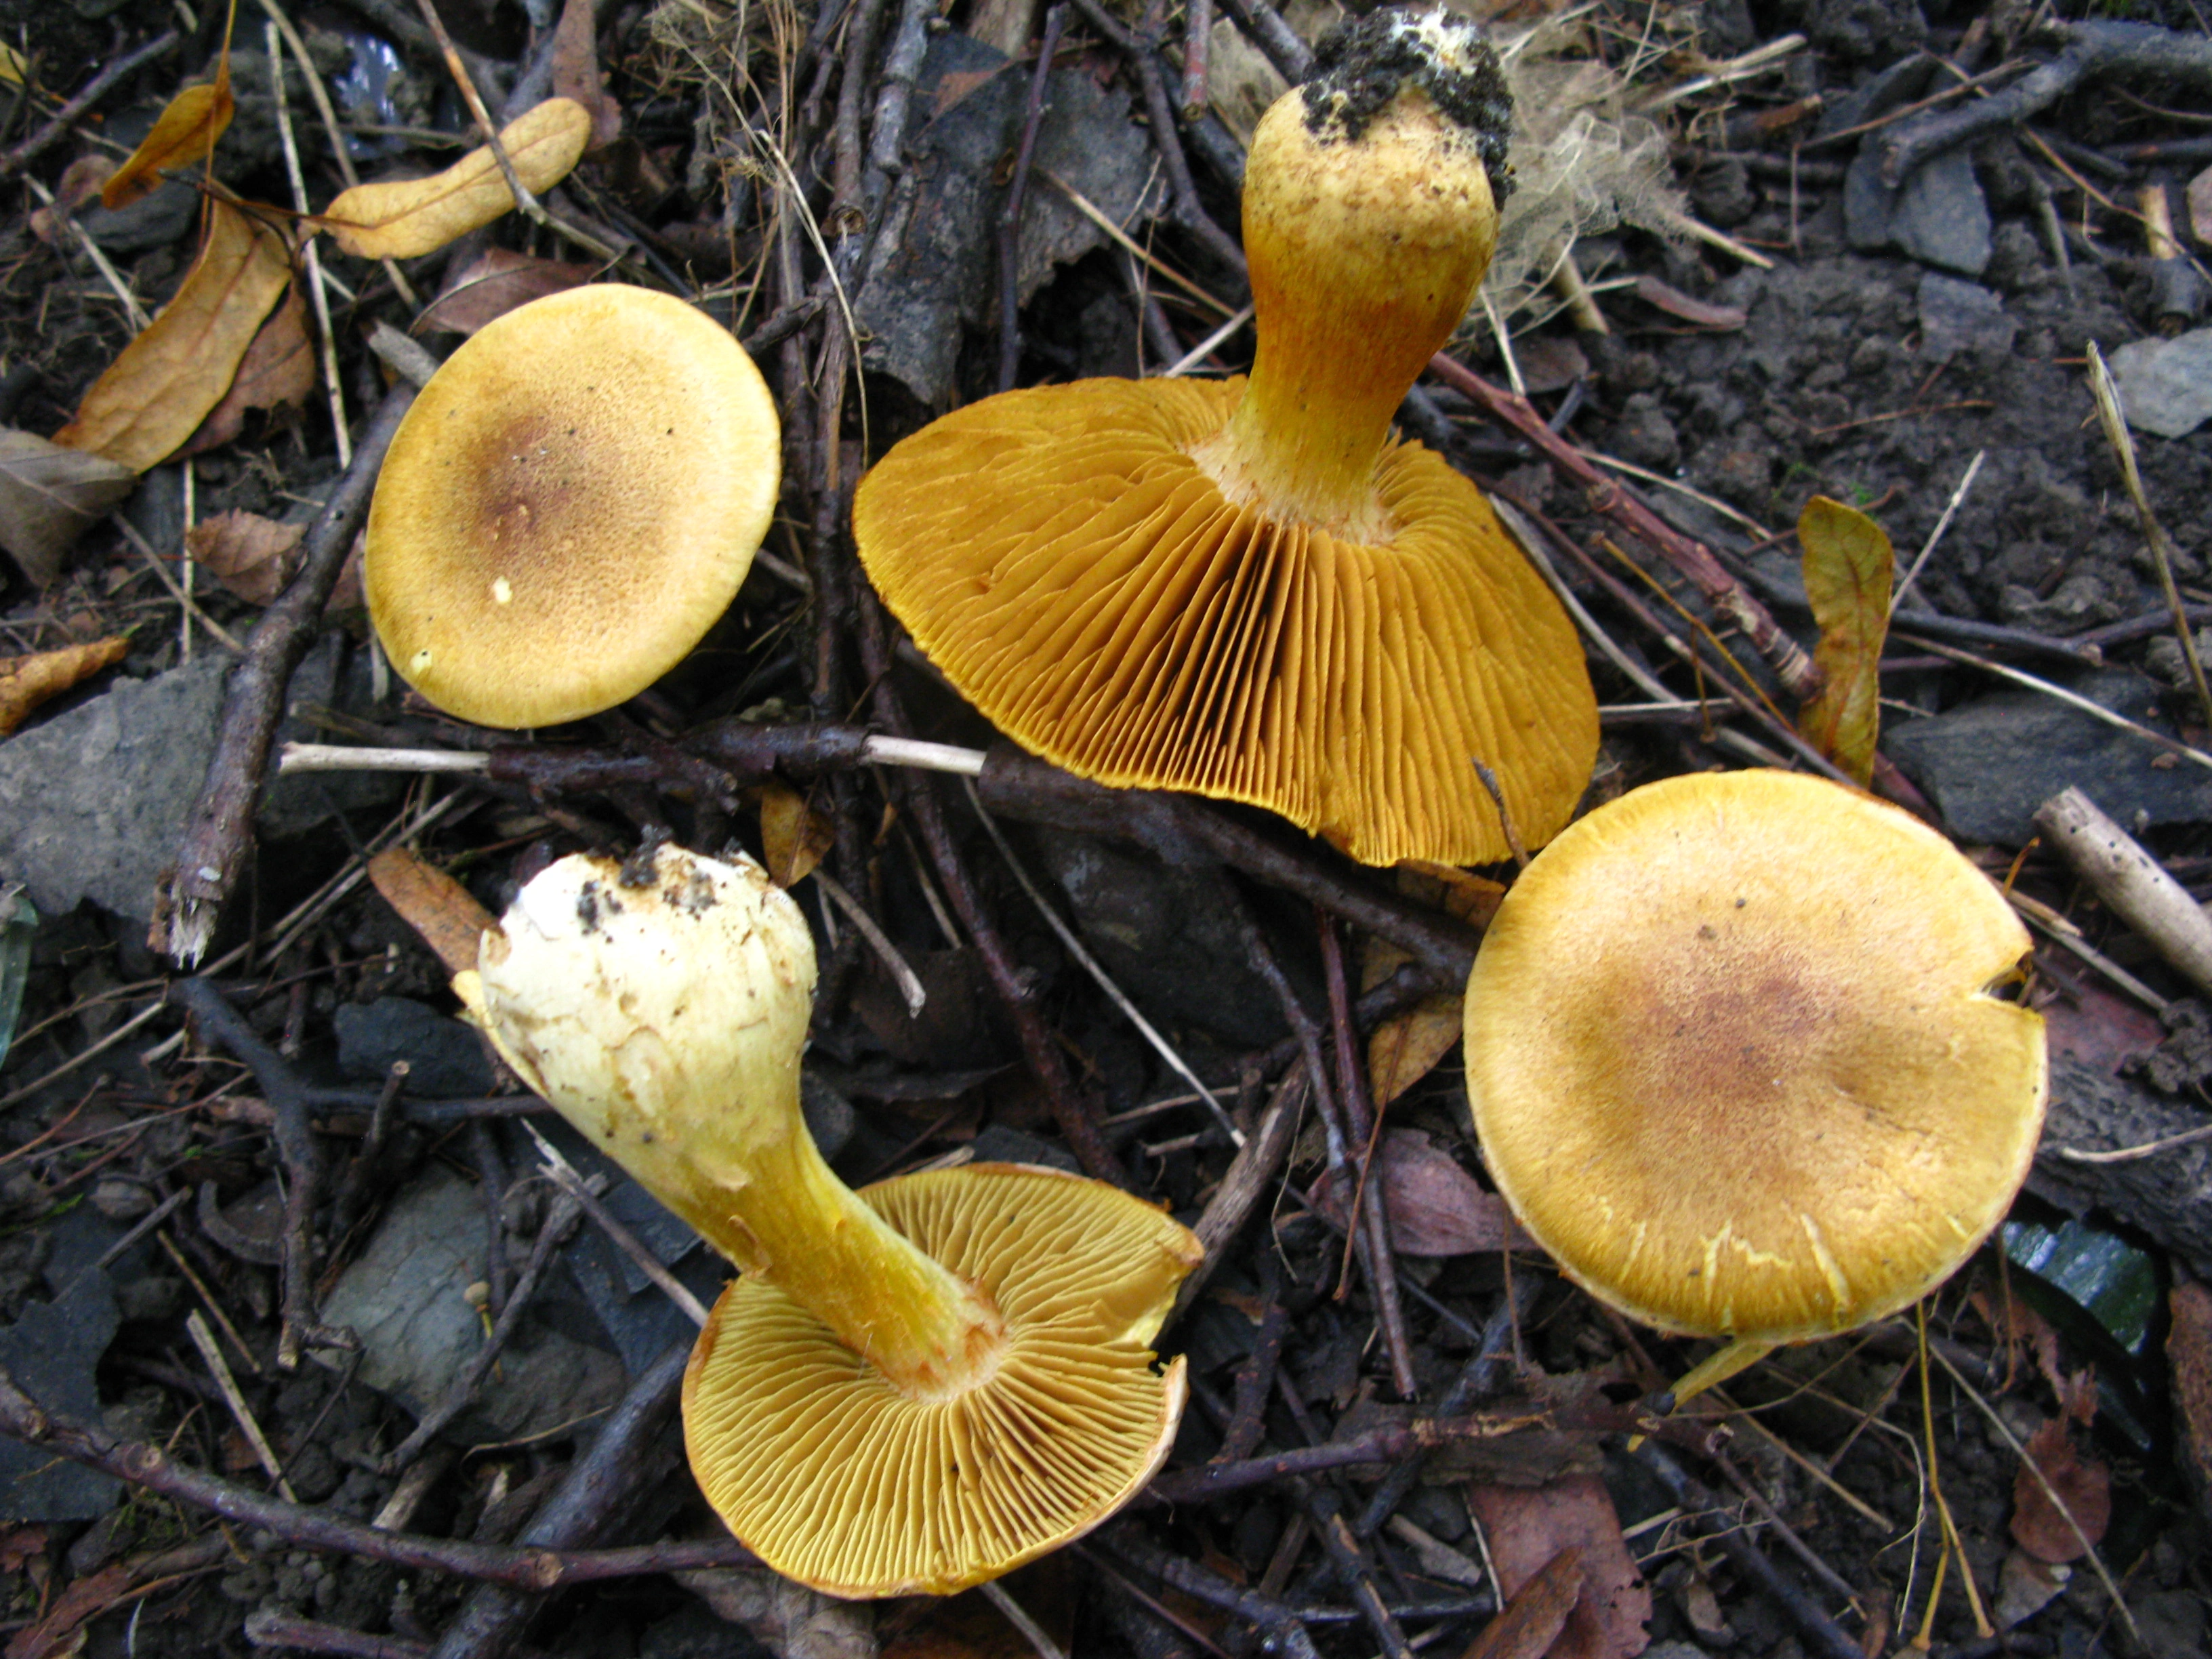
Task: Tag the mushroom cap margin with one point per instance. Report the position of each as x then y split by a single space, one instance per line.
1732 1060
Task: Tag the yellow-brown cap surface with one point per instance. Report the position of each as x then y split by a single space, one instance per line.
844 1482
1062 557
569 505
1734 1059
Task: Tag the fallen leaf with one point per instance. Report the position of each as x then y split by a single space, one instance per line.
407 217
2083 1485
187 133
13 67
444 913
2189 1364
1677 304
277 372
2098 1030
252 556
49 496
27 682
80 182
577 72
2200 206
1436 1208
494 283
1531 1621
794 837
2026 1586
1848 571
1404 1049
156 393
19 1545
61 1631
1528 1527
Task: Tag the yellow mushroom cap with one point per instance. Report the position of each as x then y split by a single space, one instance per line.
899 1494
1734 1060
569 505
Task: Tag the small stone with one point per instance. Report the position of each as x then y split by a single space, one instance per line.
1644 436
1940 217
1962 317
2166 386
445 1059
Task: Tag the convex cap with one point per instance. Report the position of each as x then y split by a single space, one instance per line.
1248 590
569 505
913 1388
1736 1061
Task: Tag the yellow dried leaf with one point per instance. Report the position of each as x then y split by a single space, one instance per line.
187 133
1848 570
407 217
793 835
12 66
437 907
158 391
27 682
1405 1048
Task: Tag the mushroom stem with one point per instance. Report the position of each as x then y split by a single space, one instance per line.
662 1011
1367 233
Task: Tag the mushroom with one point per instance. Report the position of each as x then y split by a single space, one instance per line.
1249 589
914 1387
1736 1061
569 505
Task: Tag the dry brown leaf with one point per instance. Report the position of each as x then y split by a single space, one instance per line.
62 1630
2082 1483
80 182
1436 1208
187 133
494 283
27 682
49 496
404 218
1406 1048
2189 1366
158 391
794 837
277 371
1528 1527
1527 1625
444 913
1848 570
577 72
252 556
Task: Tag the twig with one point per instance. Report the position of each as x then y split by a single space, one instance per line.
560 1216
1950 511
564 1175
1369 1198
1388 1443
15 160
2129 880
1197 44
311 261
1250 1174
220 831
2091 48
203 1339
1279 1624
1010 217
533 1566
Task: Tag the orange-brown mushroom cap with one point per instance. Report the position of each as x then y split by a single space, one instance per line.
1736 1062
1059 554
905 1493
570 504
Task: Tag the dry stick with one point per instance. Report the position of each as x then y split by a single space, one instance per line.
1255 1377
1821 1631
1277 40
1250 1174
1692 557
1325 1506
2162 550
295 1146
1010 217
1277 1624
559 1220
535 1564
1197 44
2132 881
242 1414
15 160
2092 48
220 832
1391 1442
564 1175
1369 1198
268 1627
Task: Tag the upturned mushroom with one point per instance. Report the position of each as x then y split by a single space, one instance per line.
569 505
1249 589
912 1389
1737 1059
